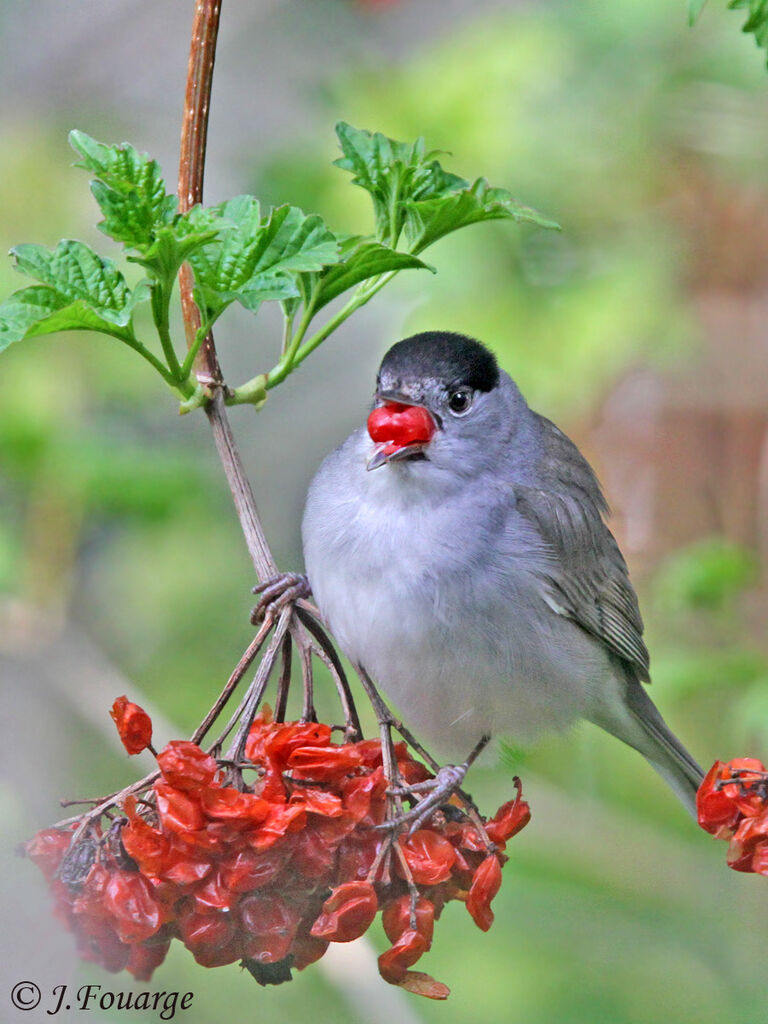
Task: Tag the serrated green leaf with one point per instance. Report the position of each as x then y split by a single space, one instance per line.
41 310
130 190
174 245
297 241
429 220
394 173
76 273
267 287
695 8
249 262
366 260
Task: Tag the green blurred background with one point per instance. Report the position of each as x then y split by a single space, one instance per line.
640 329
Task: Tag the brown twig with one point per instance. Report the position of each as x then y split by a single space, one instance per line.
194 135
239 671
194 138
283 686
328 654
258 686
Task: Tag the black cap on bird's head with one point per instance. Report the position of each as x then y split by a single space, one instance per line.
452 359
425 382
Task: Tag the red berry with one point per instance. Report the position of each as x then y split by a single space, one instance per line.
347 913
133 725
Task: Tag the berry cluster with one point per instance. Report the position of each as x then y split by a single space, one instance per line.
269 860
732 804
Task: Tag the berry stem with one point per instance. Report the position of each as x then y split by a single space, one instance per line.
239 671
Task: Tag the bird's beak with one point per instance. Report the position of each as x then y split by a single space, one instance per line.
399 427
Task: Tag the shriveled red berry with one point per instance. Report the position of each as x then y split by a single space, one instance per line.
46 849
510 819
421 984
402 915
347 913
485 885
321 763
249 869
228 804
209 937
134 725
430 856
178 812
185 766
403 953
145 844
282 819
129 899
269 924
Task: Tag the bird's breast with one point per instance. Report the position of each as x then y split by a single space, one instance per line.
446 619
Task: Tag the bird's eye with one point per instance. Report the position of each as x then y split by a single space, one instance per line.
460 401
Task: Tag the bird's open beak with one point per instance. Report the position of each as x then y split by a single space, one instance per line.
399 428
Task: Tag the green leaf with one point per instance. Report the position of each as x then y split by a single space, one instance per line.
695 8
130 190
366 260
42 310
394 173
174 245
76 273
266 287
251 259
431 219
757 19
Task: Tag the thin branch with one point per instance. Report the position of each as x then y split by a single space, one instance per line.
194 138
239 485
331 659
239 671
258 686
283 686
194 134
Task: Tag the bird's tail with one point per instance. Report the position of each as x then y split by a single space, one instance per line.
639 724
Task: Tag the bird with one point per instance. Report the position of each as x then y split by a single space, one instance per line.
456 546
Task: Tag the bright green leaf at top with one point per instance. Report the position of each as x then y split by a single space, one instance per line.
411 192
254 256
368 260
79 290
429 220
130 190
394 173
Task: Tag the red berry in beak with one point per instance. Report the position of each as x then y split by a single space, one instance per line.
399 425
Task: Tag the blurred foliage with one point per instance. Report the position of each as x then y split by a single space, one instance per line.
598 114
114 514
705 576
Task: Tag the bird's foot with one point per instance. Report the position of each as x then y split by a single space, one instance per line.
277 593
430 796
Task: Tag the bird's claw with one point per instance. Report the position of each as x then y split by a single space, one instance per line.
277 593
437 792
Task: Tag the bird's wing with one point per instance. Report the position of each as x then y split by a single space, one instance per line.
586 576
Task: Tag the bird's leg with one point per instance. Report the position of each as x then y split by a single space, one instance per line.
441 788
437 791
277 593
396 786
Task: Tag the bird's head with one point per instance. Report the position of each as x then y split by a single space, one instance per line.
439 398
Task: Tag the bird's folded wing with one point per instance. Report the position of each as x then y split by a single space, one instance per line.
585 573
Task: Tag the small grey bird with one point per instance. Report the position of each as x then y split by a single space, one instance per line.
457 550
